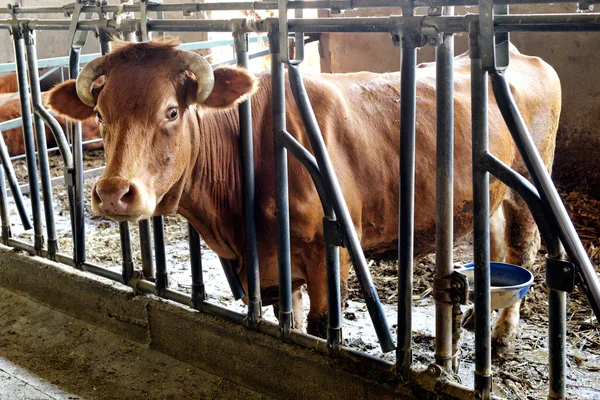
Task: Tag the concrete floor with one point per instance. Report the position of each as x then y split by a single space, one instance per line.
45 354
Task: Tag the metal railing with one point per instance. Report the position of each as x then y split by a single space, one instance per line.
487 55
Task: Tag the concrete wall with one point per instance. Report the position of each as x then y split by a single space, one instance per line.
573 55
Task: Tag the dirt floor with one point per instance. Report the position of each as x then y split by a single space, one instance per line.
523 376
45 354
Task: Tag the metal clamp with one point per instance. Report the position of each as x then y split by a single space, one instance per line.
495 46
453 288
560 275
284 45
332 231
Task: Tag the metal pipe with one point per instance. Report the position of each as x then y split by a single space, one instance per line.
146 249
14 184
341 209
162 281
248 189
6 233
445 347
28 137
481 219
40 138
198 290
281 186
557 343
77 197
126 251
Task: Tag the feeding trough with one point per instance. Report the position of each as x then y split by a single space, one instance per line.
509 283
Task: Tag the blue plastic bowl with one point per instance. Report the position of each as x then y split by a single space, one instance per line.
509 283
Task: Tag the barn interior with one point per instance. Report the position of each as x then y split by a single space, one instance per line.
82 324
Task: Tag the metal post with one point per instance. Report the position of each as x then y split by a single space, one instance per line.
408 115
158 228
28 137
445 348
481 219
78 221
4 209
126 251
557 343
146 249
281 185
40 136
198 290
14 184
247 165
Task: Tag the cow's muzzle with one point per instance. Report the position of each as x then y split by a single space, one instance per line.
120 199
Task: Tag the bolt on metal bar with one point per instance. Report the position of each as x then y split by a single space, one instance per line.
281 186
13 183
481 219
248 188
40 138
146 249
341 209
198 289
162 281
445 346
19 48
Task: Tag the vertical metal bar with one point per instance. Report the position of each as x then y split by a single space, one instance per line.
158 228
40 136
281 186
334 307
299 36
126 251
76 193
198 290
481 218
247 165
14 184
408 113
146 249
28 137
4 208
557 343
444 54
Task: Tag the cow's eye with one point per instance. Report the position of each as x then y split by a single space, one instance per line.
99 116
172 114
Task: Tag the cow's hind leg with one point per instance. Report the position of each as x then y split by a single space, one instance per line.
523 242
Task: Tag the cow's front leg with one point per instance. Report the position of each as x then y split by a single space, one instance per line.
505 331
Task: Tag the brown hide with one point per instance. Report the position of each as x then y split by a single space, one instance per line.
191 165
8 83
14 137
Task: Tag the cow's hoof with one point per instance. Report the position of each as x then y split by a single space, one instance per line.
502 348
317 326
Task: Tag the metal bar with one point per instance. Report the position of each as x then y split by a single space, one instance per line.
40 138
332 255
76 172
6 232
341 210
198 290
146 249
445 346
28 137
281 186
158 228
557 344
248 190
126 251
481 220
14 184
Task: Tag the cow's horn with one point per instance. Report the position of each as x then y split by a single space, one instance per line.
92 71
197 65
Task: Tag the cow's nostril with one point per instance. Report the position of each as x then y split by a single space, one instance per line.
96 196
129 196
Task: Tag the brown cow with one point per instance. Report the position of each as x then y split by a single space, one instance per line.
14 137
172 145
8 83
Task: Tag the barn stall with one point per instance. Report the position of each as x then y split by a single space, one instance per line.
92 248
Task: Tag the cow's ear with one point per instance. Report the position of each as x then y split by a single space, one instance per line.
64 101
232 86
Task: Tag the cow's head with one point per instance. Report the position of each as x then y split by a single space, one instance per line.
148 110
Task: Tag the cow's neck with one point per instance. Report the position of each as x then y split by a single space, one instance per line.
211 199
